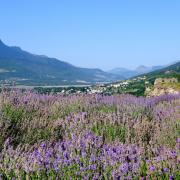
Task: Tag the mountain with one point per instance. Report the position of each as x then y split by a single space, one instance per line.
144 69
127 73
139 84
166 72
29 69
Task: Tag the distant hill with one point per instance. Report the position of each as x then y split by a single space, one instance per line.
167 72
127 73
29 69
137 85
144 69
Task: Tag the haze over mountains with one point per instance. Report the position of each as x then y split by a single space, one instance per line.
29 69
127 73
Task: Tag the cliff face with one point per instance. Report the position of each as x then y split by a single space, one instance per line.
164 86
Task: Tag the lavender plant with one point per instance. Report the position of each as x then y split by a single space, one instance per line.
88 136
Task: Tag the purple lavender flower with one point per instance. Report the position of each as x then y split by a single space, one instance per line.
173 154
43 145
166 169
124 168
171 177
93 167
152 168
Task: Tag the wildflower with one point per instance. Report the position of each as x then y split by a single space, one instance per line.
152 168
43 145
173 154
166 169
92 158
171 177
93 167
124 168
84 154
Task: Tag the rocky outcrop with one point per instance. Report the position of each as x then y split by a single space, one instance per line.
164 86
160 81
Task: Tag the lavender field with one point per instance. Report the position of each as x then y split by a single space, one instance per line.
89 136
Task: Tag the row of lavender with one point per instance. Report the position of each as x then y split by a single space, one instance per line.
88 136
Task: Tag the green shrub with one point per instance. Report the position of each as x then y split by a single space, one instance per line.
110 132
13 114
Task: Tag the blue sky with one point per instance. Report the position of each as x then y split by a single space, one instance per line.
95 33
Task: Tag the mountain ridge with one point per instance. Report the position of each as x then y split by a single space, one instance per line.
128 73
29 69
